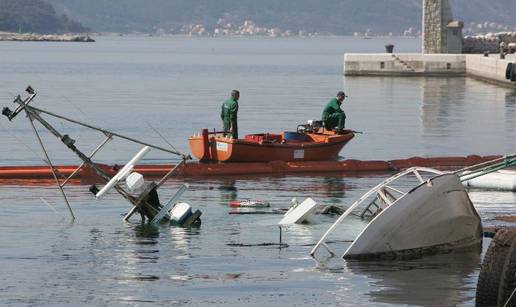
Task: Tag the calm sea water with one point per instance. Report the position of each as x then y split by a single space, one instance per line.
136 85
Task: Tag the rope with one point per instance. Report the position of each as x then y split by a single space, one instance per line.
52 207
283 244
510 297
257 245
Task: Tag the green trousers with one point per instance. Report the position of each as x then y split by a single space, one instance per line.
335 120
231 126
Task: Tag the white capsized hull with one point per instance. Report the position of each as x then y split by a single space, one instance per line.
433 216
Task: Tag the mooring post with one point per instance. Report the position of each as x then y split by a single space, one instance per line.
280 238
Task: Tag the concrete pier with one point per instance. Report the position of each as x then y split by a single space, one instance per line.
442 53
491 69
404 64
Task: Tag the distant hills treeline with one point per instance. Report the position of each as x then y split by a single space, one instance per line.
35 16
340 17
330 16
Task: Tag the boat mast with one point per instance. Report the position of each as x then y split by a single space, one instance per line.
33 113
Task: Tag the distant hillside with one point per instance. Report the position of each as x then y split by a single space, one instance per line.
328 16
35 16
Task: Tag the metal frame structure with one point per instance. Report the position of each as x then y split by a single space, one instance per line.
147 202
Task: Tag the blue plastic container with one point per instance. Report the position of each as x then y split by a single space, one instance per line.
294 136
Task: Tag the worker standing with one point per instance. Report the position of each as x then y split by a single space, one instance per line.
229 114
333 116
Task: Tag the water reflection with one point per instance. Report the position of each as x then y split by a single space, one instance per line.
510 111
442 105
147 233
229 191
433 280
334 188
510 99
181 238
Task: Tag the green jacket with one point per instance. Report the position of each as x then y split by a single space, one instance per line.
332 107
229 110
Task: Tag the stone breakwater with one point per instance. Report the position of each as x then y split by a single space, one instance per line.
31 37
489 42
490 68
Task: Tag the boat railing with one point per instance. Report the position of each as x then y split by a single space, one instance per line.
384 198
485 168
385 193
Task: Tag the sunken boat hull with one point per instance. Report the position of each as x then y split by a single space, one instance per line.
436 216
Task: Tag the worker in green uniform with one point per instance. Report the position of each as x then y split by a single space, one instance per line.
229 114
333 116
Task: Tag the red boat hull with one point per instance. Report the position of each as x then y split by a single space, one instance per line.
317 147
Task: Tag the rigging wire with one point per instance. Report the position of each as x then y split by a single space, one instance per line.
160 135
52 208
34 152
56 90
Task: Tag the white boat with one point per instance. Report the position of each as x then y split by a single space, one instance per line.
503 180
434 215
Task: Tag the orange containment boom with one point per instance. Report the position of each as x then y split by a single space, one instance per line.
198 169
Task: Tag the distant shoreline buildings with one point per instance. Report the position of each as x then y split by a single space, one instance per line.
224 27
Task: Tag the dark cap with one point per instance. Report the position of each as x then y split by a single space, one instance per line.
341 94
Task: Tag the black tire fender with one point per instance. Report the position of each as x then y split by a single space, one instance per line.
508 71
492 267
508 279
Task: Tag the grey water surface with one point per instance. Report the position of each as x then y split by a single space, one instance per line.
175 85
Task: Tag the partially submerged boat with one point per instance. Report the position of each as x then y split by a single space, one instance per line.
309 143
142 195
434 215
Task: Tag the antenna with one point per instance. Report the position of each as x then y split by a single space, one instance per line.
22 104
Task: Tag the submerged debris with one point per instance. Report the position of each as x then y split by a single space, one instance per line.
506 218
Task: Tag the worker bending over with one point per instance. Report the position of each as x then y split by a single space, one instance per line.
333 116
